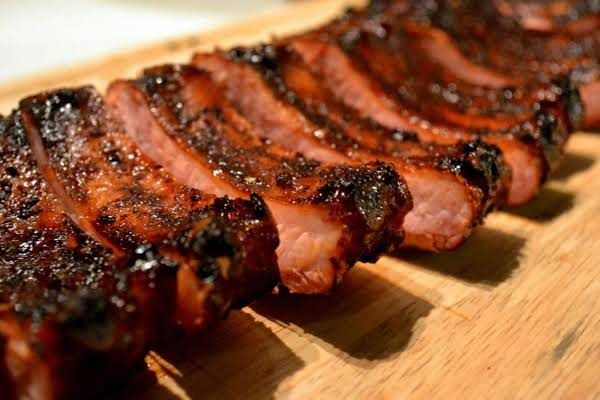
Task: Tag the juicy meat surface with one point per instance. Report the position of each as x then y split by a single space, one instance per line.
399 55
480 31
475 38
112 237
79 308
51 274
104 180
551 16
532 148
328 217
281 97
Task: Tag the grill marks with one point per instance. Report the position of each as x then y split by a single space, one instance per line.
328 217
286 103
75 315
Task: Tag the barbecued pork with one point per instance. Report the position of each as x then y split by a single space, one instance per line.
80 308
399 55
474 39
328 217
551 16
280 97
103 252
531 147
104 180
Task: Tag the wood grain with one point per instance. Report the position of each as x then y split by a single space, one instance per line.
515 313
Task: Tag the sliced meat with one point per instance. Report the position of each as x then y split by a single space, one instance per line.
473 38
552 16
102 178
75 317
328 217
402 61
531 148
44 260
481 34
448 202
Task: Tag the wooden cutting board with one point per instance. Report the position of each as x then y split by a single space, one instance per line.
515 313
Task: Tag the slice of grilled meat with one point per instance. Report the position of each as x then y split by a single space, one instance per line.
108 185
52 281
329 217
532 148
401 58
76 316
285 103
577 17
475 39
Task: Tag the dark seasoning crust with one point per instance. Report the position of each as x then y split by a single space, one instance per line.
104 254
80 310
57 281
89 153
476 161
528 54
357 201
374 190
382 45
553 112
500 43
241 158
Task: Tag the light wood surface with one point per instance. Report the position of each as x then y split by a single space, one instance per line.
515 313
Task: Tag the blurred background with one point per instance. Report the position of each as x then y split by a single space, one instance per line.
37 35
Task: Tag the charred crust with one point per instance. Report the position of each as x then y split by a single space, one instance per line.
54 111
266 59
366 199
571 101
549 137
12 172
478 162
366 188
106 219
211 243
483 166
233 247
29 208
263 56
259 205
220 233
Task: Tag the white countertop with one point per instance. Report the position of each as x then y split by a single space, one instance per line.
36 35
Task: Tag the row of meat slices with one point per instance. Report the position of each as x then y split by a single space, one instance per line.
196 188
